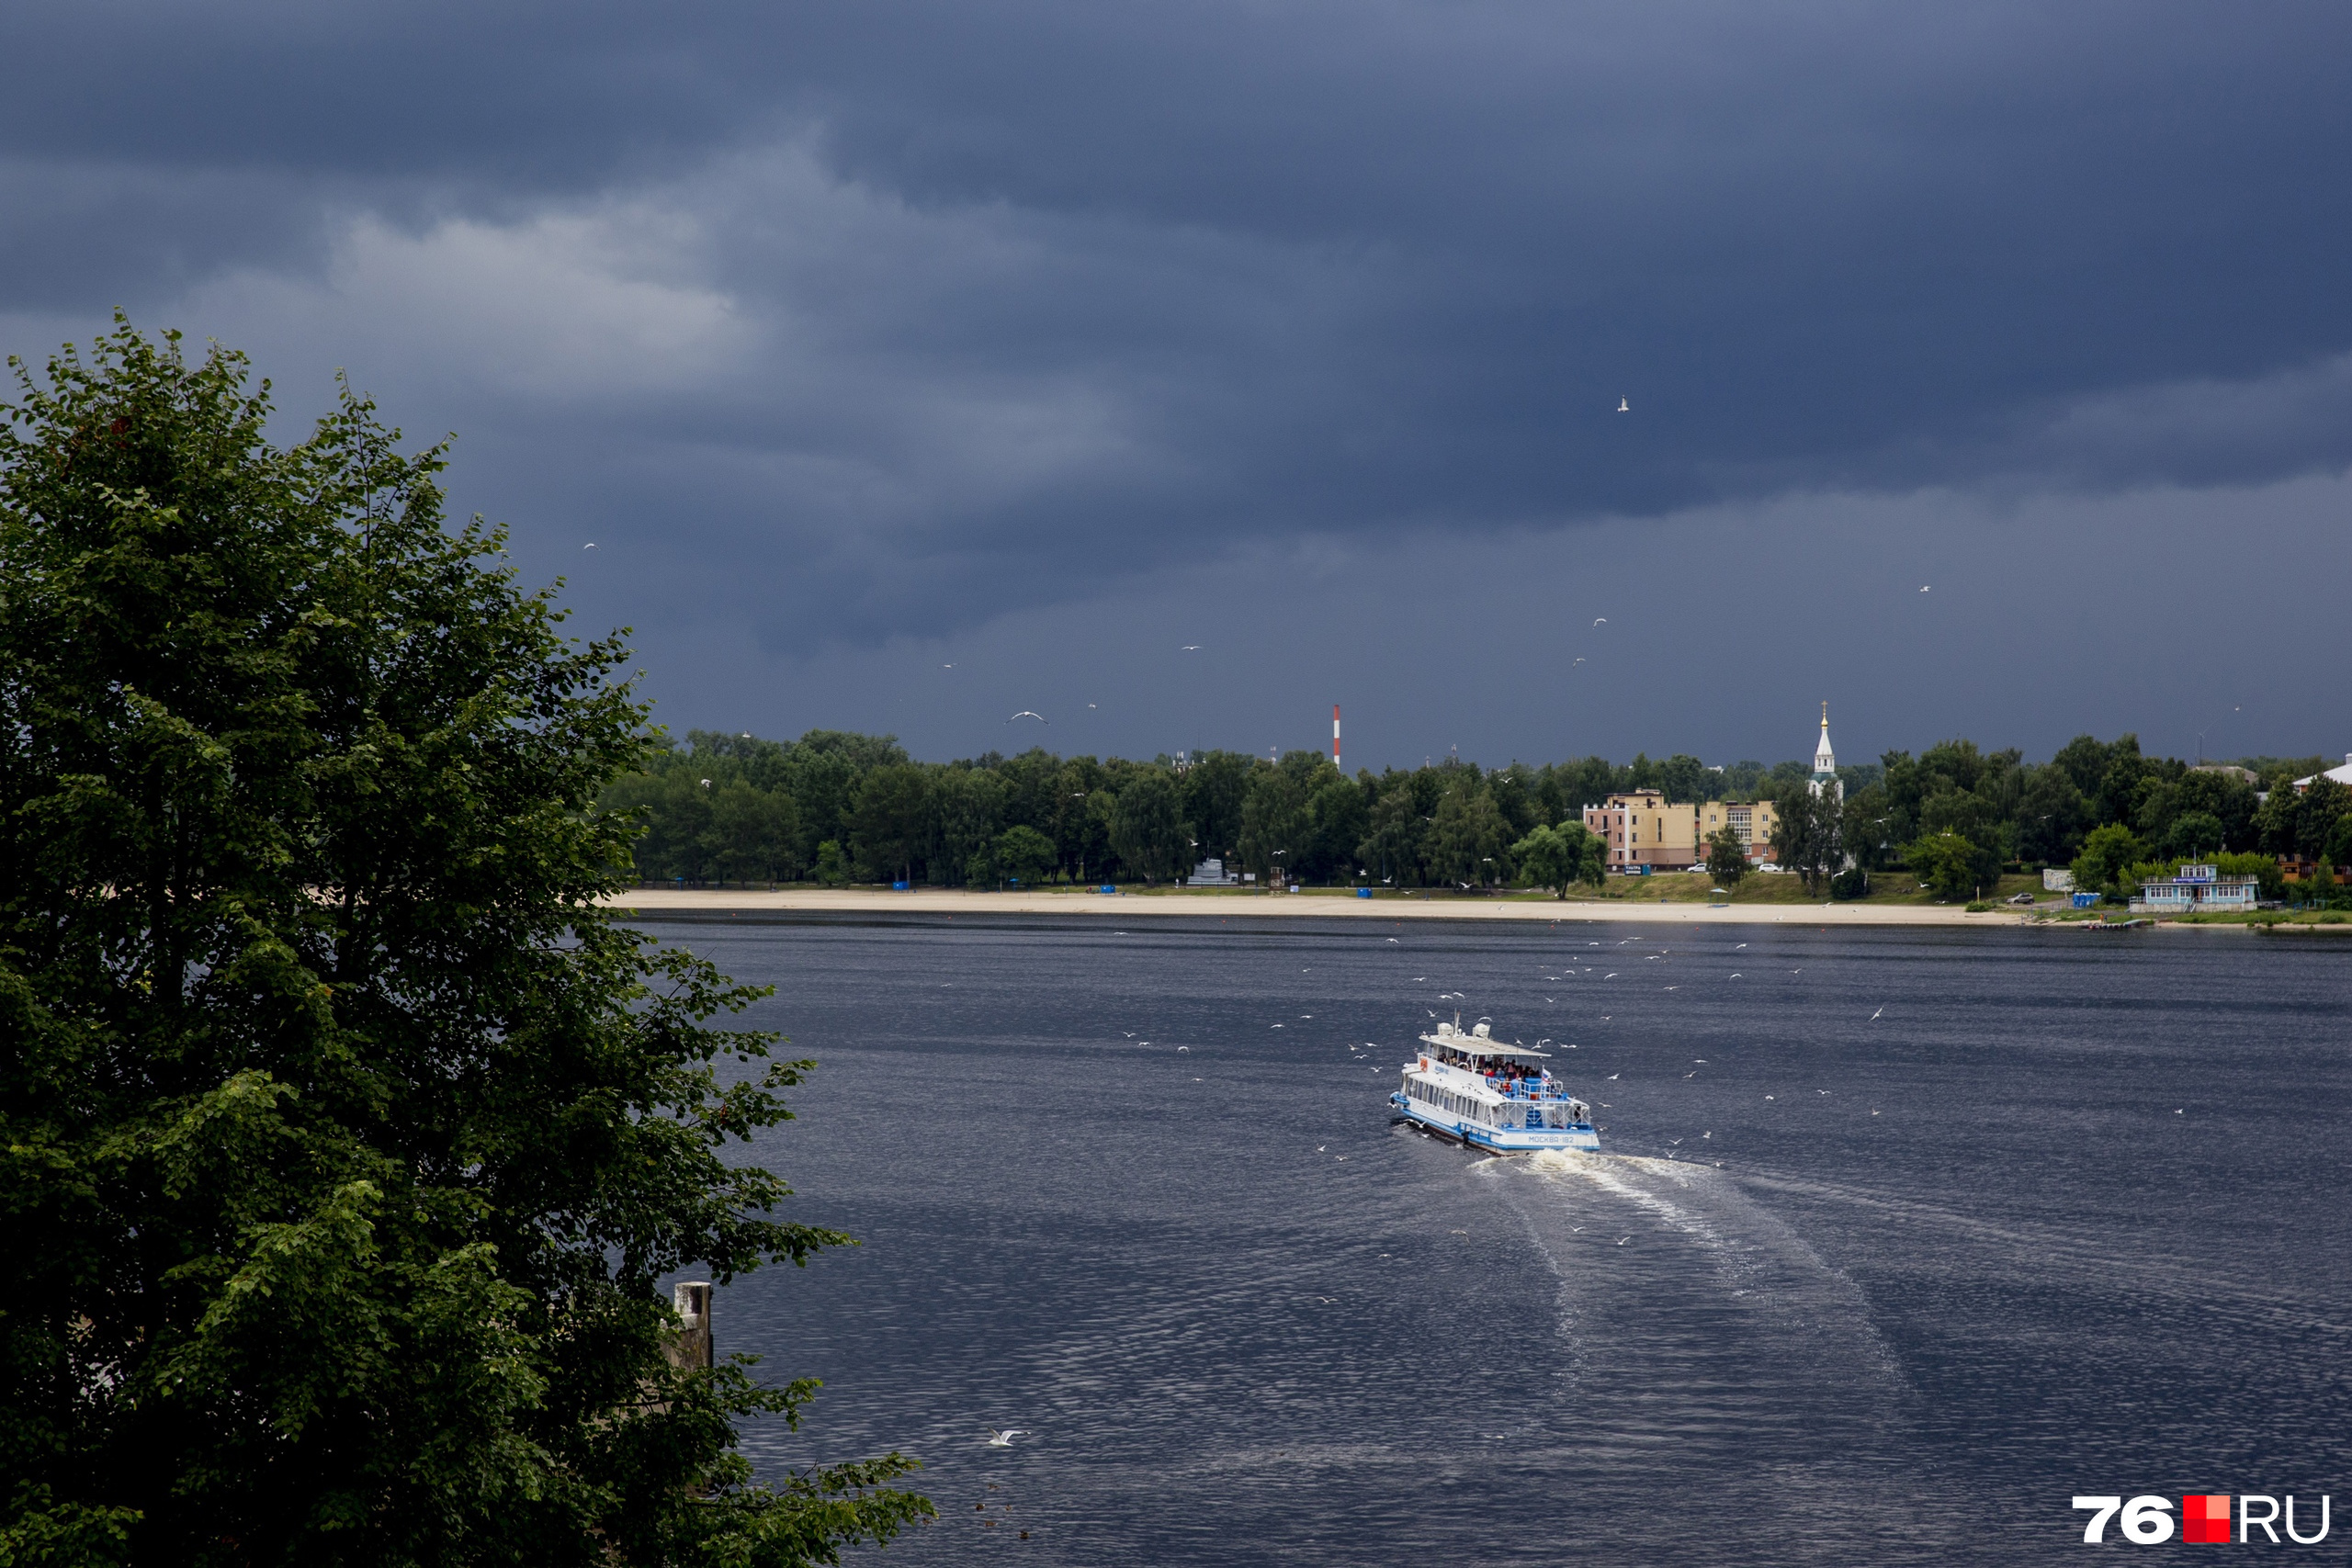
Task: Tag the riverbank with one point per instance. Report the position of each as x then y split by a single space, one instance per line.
1141 904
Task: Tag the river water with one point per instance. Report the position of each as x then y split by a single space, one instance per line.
1901 1238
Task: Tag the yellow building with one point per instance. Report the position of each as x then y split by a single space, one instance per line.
1646 833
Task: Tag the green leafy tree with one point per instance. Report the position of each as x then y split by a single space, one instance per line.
1559 856
2051 817
1276 827
1470 839
1865 825
1808 836
1391 848
1742 780
1025 855
2119 791
1147 827
1337 811
1081 828
2274 822
1215 785
753 833
833 868
2084 762
1684 778
1953 863
890 822
1726 857
2193 833
2319 810
2265 869
2106 853
348 1136
1514 797
967 812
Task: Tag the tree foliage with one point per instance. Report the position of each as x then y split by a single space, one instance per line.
1557 857
1808 835
347 1139
2106 853
1726 857
1952 864
936 823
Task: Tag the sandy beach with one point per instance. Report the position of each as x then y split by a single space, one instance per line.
1143 906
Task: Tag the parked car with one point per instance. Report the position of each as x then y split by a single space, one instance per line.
2022 899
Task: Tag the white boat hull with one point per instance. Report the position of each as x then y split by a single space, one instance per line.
1502 1140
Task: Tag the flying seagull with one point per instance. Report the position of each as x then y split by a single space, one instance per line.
1190 648
1874 1016
1026 713
1922 588
1004 1440
589 546
1601 620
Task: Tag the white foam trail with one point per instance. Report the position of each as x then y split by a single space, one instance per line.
1800 1309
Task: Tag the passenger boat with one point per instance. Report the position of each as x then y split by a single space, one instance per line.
1490 1095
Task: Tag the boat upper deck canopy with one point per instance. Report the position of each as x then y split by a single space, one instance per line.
1478 1042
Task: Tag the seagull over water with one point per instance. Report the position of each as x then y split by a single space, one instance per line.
1004 1440
1601 620
1190 648
1027 713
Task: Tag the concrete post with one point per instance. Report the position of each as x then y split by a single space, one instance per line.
691 1348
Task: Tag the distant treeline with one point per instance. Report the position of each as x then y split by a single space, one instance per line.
838 807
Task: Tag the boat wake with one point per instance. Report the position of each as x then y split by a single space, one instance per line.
1692 1313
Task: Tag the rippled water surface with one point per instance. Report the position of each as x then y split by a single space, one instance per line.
1900 1238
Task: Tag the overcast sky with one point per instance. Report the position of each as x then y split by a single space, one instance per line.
1044 340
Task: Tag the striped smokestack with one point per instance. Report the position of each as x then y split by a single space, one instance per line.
1335 736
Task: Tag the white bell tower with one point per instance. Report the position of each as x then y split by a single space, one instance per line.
1825 763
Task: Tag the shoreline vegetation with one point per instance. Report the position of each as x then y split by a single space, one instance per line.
1323 903
1954 826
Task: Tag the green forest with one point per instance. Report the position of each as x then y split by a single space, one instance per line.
839 807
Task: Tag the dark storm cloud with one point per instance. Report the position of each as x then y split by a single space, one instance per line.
845 319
